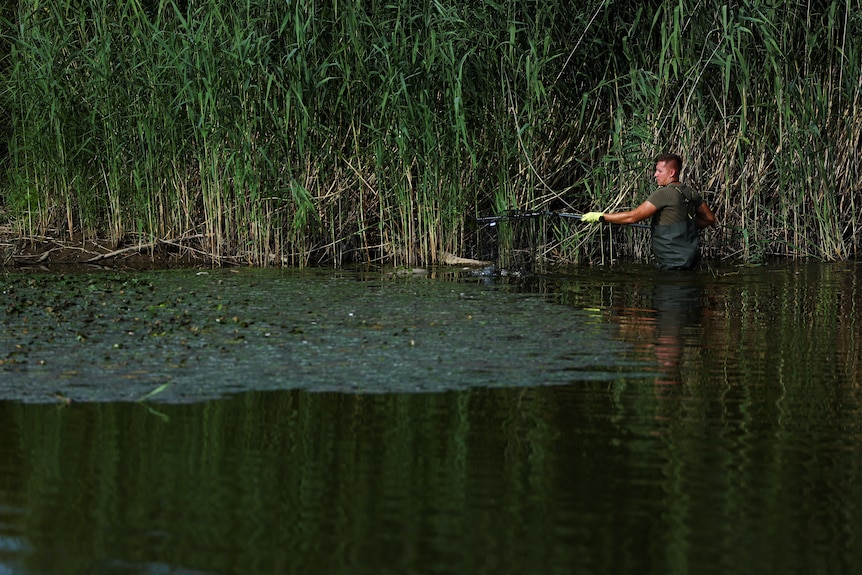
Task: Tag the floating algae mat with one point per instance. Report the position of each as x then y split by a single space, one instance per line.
190 335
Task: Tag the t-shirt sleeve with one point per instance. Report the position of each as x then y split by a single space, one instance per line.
659 198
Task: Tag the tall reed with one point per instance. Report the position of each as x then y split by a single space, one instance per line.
327 132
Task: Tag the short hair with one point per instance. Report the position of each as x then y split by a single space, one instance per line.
670 159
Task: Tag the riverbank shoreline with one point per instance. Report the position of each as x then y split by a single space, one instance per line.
50 251
53 250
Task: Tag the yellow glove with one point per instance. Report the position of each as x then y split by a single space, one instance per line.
593 217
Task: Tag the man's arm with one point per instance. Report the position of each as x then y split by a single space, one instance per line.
642 212
704 216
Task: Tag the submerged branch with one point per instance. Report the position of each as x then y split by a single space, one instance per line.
142 247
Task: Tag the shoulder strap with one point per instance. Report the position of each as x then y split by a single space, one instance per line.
689 206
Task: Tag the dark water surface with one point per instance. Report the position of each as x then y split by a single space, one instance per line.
596 421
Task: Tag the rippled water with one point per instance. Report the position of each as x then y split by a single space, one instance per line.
594 421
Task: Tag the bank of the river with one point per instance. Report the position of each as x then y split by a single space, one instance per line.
54 250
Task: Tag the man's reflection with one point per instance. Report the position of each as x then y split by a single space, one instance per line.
677 307
659 328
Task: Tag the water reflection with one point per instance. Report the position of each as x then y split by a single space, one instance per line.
669 324
544 479
661 314
748 463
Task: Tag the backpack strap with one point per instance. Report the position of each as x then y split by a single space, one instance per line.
689 204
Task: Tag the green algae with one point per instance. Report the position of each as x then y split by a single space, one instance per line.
188 335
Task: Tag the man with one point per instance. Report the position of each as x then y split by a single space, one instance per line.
677 213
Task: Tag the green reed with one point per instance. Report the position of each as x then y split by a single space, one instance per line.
307 132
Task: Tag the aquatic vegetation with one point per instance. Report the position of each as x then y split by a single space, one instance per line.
294 133
176 335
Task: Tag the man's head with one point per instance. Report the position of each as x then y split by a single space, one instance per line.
667 169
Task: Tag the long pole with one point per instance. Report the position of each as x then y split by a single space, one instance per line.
493 220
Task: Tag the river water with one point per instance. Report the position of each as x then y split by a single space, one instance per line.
609 420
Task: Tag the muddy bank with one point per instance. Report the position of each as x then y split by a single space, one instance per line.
50 252
54 252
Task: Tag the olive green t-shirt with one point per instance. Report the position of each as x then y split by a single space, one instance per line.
675 203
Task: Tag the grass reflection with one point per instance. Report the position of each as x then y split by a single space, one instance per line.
748 463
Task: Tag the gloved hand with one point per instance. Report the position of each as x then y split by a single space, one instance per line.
593 217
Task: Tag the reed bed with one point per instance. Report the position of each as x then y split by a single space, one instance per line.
327 132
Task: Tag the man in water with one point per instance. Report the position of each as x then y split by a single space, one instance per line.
677 213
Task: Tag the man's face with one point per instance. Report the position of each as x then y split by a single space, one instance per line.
664 173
